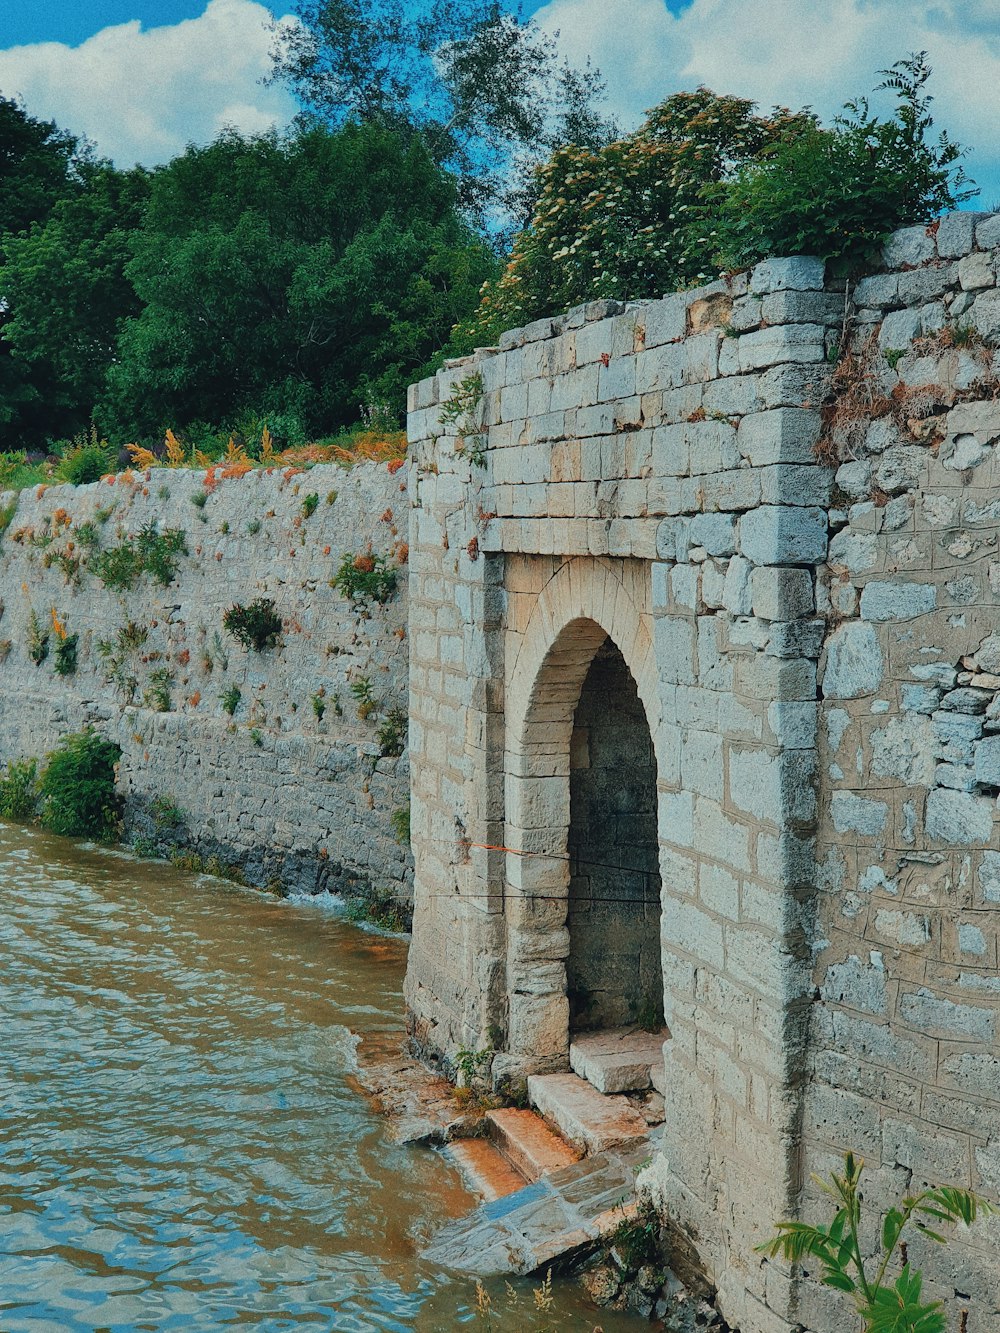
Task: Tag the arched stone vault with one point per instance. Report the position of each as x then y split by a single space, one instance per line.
584 602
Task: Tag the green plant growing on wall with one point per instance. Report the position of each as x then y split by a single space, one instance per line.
319 704
882 1304
256 737
461 415
199 499
230 699
400 821
380 907
118 656
366 701
391 734
78 786
365 576
256 626
38 639
157 694
309 505
146 552
253 527
7 513
19 790
87 536
166 814
65 655
102 513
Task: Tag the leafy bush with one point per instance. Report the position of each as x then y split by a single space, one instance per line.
19 789
400 821
38 639
86 463
256 626
148 551
309 505
157 695
628 220
838 193
78 786
391 734
65 658
882 1308
365 576
230 699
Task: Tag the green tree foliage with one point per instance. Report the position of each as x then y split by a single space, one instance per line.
483 87
635 218
839 192
883 1303
65 286
39 165
301 275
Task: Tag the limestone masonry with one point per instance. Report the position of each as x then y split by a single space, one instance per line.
704 635
704 719
275 789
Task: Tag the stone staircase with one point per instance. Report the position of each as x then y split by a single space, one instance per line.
580 1114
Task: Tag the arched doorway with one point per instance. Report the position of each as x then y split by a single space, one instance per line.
614 972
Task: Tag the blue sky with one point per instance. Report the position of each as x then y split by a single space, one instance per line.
144 77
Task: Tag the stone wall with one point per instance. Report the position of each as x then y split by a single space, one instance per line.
275 789
905 1058
649 477
669 476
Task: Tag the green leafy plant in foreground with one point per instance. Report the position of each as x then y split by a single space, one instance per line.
78 786
883 1307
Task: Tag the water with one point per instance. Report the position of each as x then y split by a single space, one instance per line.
180 1144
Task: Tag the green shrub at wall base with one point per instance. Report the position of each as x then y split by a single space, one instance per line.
78 786
19 790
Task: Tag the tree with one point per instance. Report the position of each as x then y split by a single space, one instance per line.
294 277
39 165
65 289
486 90
635 218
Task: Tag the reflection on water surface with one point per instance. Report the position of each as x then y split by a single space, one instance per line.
179 1147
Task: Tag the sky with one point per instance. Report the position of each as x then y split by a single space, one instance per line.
142 78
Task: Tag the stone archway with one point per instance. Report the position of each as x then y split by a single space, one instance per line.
586 616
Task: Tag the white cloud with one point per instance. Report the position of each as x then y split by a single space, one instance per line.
795 53
142 95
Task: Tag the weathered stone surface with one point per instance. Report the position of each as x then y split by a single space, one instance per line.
583 1116
775 275
908 247
956 817
897 601
617 1060
783 535
854 662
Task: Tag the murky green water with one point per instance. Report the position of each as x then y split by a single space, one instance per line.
179 1145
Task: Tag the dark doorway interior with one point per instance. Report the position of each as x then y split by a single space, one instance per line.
614 972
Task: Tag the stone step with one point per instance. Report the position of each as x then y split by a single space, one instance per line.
528 1144
486 1170
618 1060
585 1117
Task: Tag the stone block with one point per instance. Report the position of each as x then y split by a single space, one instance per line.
986 314
716 532
781 343
958 818
987 763
801 274
857 985
987 231
784 535
793 723
899 468
927 1012
858 814
783 435
956 233
976 271
897 601
909 246
793 307
899 329
781 593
